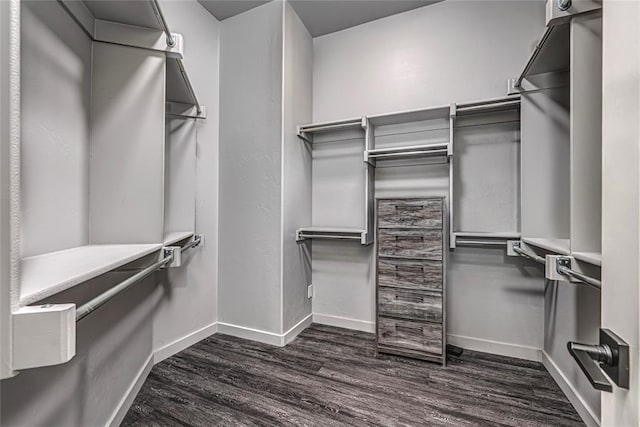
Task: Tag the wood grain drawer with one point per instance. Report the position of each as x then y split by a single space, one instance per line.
410 213
410 335
410 305
410 274
410 243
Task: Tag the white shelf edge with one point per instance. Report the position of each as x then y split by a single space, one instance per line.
58 271
175 236
594 258
559 246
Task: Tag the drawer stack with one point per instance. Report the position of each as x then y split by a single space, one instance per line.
410 278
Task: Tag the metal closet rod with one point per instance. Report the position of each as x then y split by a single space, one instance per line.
462 242
163 22
534 56
595 283
196 103
87 308
532 257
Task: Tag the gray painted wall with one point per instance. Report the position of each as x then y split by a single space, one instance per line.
443 53
296 165
250 169
55 212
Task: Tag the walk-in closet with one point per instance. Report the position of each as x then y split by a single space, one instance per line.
314 212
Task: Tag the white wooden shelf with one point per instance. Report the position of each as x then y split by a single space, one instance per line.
136 13
594 258
176 236
559 246
48 274
410 116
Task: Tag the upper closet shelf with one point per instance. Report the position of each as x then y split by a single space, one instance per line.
51 273
305 131
551 54
490 106
558 246
410 116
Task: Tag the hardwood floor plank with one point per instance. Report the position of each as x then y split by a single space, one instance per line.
329 377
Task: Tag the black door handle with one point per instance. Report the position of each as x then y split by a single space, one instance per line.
610 359
588 357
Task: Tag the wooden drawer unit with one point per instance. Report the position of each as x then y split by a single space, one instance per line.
422 338
411 318
410 274
410 243
412 305
426 213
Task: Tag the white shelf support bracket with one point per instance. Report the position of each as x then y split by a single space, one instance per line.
511 244
175 252
552 267
43 335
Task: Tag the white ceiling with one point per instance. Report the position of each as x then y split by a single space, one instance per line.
223 9
323 16
327 16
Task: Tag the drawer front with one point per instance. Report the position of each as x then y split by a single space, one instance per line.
410 274
410 243
410 335
410 213
410 305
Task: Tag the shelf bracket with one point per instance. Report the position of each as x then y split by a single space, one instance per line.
43 335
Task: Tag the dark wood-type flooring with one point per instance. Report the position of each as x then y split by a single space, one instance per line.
329 376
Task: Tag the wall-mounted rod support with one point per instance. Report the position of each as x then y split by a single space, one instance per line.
85 309
163 23
562 267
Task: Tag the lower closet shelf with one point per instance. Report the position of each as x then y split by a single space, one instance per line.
48 274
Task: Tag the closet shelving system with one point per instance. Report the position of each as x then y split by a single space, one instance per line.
561 90
138 200
426 134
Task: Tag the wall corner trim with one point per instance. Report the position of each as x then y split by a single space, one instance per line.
496 347
583 409
127 400
344 322
180 344
265 337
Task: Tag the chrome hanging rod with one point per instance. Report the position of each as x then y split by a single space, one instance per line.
562 268
534 56
461 242
526 254
163 23
87 308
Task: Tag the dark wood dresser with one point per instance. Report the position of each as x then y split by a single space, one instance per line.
410 278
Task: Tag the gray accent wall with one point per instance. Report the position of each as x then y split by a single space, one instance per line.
250 169
296 165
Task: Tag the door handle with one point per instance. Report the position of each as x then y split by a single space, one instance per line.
612 355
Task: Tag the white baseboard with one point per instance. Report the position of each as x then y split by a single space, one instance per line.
344 322
125 403
496 347
587 414
184 342
296 329
265 337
